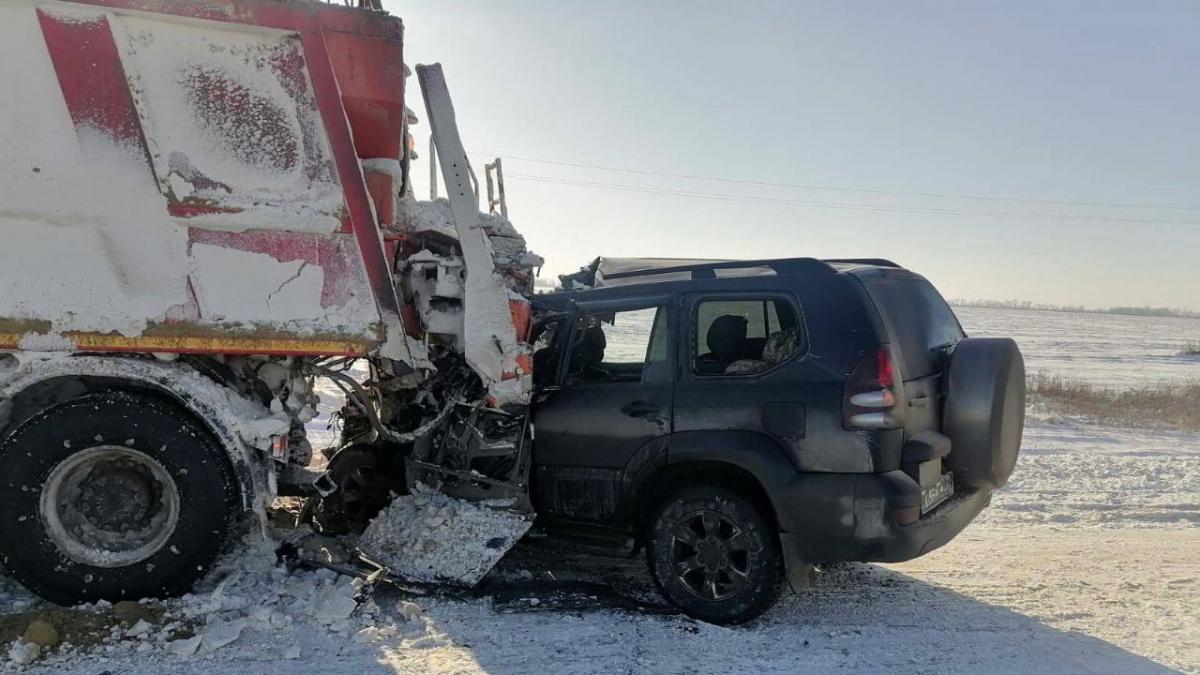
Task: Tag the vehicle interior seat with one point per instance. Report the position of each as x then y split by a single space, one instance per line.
588 354
545 366
726 340
753 348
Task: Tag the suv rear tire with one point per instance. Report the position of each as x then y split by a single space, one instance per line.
111 496
713 555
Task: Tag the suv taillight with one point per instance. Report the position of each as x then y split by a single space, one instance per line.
870 401
884 376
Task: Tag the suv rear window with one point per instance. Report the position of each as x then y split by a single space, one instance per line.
745 336
918 320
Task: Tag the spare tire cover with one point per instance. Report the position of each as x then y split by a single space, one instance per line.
984 414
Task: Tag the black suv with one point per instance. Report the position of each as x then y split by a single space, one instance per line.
745 420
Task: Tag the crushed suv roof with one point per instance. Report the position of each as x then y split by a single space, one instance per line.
608 272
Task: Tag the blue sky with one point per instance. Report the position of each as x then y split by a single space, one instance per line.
1094 103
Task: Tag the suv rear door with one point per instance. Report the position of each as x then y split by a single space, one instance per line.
614 397
746 366
921 328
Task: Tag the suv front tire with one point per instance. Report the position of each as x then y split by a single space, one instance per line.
713 555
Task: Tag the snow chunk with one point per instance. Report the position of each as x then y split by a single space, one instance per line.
46 342
223 633
422 216
336 603
185 647
139 629
385 165
22 653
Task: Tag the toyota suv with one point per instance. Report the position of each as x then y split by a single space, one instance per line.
742 421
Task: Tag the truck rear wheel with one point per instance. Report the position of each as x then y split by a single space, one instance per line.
713 555
113 496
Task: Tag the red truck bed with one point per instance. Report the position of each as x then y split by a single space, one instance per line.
184 176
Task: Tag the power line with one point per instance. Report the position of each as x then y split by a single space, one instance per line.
845 205
831 188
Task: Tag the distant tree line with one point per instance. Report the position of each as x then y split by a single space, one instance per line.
1046 307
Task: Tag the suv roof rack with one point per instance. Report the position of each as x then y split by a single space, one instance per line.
707 269
878 262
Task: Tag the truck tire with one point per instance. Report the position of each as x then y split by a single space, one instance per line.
713 555
984 414
113 496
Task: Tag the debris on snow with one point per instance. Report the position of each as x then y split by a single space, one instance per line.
411 611
185 647
222 633
430 537
22 653
247 593
142 627
335 604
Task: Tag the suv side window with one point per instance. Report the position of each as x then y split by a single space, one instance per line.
620 346
745 336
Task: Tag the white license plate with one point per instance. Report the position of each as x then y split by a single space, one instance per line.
935 494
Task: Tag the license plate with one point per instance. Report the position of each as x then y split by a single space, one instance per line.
935 494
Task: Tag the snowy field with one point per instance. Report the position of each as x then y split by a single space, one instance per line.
1089 561
1109 350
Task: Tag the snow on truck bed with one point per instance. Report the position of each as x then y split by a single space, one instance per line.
95 238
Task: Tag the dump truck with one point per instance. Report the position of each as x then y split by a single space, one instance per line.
207 206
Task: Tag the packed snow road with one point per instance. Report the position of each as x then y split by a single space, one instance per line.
1087 562
998 600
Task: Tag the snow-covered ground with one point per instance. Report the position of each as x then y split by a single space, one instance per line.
1112 351
1075 475
1089 561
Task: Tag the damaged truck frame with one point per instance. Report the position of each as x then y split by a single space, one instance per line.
207 208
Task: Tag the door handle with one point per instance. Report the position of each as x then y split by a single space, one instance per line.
641 409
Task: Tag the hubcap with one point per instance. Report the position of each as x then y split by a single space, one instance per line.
710 555
110 506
